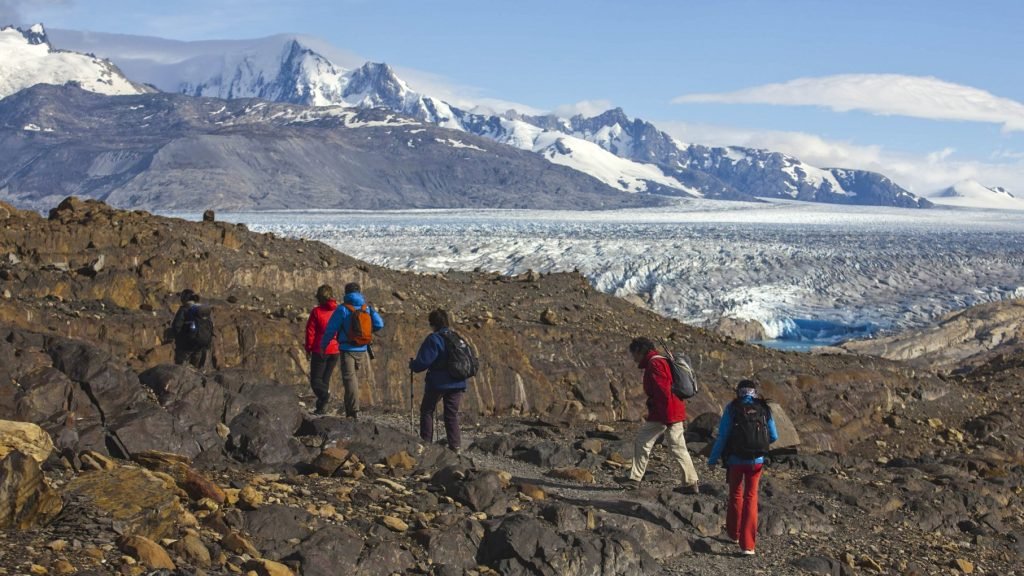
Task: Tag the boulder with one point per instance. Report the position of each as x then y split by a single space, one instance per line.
275 528
788 436
148 553
481 490
330 551
150 428
44 394
24 437
134 499
26 500
262 434
520 544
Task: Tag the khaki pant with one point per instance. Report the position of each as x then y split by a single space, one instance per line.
350 365
648 435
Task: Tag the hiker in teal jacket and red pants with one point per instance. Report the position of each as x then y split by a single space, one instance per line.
744 473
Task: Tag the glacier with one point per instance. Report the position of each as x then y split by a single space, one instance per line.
812 273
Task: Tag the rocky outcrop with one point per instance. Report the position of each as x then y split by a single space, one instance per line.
26 500
26 438
969 336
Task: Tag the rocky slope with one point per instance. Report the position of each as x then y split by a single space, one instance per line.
960 340
259 484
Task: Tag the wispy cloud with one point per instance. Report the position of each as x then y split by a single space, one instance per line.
14 11
587 108
882 94
922 174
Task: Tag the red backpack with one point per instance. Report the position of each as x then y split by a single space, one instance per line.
360 326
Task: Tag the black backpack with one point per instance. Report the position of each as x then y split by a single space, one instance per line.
462 361
684 380
198 327
748 438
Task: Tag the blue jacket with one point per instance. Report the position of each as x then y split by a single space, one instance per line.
433 358
338 324
725 428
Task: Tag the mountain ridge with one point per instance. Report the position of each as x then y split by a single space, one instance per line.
631 155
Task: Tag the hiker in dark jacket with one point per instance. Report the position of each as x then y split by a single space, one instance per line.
185 328
666 415
321 362
744 474
433 357
352 355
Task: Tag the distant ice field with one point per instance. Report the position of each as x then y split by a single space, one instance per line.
809 273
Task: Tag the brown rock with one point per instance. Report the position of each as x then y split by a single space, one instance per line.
147 552
592 445
25 437
400 460
239 544
532 490
330 460
192 549
250 498
574 474
395 524
95 461
62 566
135 497
965 566
26 500
548 317
267 568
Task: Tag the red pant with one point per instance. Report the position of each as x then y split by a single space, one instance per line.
741 519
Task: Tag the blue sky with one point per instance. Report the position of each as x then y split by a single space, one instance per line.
926 92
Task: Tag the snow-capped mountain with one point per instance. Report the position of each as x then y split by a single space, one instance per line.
628 154
972 194
27 59
177 152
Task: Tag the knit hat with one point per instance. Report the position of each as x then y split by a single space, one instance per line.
746 388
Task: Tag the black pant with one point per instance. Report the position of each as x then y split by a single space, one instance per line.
194 356
321 367
452 399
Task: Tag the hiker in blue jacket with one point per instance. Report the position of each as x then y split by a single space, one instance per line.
744 472
353 354
433 357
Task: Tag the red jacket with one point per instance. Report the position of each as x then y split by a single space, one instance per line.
662 405
316 325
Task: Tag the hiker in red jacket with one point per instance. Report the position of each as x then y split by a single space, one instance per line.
321 363
666 415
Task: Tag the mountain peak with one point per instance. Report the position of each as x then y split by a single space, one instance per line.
376 82
35 34
27 59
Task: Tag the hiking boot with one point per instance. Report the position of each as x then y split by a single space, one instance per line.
321 409
690 489
747 552
628 483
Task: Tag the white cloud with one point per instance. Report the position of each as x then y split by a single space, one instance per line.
469 98
922 174
587 108
882 94
13 12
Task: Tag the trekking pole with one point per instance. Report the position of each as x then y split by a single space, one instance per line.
412 414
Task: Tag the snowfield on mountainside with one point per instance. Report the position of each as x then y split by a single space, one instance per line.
804 271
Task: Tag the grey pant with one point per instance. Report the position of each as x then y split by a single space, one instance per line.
350 364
